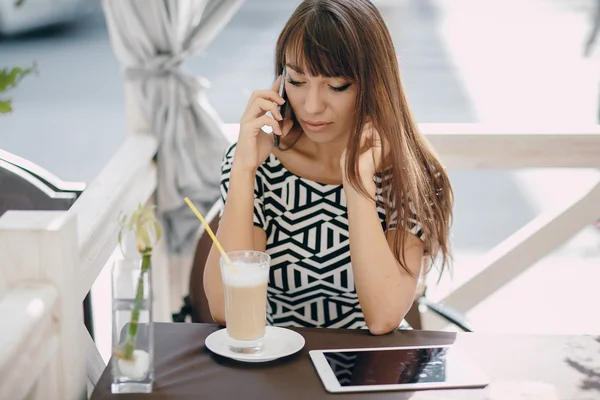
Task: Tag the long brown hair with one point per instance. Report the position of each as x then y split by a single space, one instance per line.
349 39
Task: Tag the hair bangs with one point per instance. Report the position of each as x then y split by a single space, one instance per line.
317 47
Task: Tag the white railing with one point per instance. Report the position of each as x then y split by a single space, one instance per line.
51 259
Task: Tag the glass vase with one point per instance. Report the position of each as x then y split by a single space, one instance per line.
132 361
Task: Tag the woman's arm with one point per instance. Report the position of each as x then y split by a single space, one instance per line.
236 232
385 290
236 228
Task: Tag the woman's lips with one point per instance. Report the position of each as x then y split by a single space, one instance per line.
316 126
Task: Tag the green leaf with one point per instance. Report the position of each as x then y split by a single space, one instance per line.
10 77
144 236
133 220
158 228
122 220
143 224
19 3
5 106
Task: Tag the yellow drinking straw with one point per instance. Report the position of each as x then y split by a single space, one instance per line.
208 230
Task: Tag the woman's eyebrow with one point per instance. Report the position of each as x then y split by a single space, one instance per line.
296 68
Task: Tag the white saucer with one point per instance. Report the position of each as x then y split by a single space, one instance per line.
278 342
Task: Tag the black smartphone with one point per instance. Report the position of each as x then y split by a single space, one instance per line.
282 108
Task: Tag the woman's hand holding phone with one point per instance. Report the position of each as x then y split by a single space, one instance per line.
254 146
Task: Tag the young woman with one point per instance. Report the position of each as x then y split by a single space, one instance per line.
353 198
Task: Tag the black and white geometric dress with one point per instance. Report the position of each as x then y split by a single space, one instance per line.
311 283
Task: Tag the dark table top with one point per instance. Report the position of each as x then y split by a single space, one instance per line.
185 369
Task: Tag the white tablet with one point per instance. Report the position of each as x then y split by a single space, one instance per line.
396 368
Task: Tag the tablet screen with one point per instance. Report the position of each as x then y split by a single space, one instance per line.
390 367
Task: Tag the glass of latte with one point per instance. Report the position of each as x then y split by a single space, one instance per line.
245 285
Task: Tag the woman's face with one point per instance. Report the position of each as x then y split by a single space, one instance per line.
324 107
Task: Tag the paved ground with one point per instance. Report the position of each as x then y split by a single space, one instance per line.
462 60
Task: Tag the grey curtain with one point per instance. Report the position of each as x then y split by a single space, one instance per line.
152 39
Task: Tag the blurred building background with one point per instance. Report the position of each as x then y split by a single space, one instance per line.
503 62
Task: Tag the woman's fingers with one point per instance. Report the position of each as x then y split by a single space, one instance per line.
260 106
369 137
269 94
266 120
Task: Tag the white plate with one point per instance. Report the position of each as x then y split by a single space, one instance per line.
278 342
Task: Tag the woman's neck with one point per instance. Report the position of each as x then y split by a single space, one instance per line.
326 154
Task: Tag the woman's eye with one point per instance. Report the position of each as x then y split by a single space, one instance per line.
340 88
295 83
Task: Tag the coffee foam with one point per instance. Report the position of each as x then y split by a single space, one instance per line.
244 274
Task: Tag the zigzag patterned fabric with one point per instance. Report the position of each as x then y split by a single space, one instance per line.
311 283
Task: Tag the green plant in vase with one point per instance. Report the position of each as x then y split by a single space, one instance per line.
142 226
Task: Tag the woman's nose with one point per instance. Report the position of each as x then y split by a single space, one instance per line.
315 102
